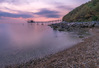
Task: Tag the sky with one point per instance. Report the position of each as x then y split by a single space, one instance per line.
38 10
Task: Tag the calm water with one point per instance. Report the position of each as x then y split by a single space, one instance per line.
21 42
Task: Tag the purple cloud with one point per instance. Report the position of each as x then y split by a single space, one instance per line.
65 7
6 14
48 13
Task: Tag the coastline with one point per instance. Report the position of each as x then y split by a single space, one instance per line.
82 55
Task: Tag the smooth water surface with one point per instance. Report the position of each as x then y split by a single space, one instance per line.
21 42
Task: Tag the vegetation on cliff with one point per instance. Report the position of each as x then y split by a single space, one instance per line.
86 12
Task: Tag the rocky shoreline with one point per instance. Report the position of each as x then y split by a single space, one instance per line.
83 55
72 26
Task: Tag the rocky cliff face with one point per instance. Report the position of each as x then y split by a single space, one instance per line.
86 12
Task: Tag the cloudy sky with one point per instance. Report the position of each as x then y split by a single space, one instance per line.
39 10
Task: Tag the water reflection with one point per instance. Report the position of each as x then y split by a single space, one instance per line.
21 42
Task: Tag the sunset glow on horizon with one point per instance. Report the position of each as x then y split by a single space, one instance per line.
38 10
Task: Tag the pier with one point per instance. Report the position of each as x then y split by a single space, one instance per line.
52 21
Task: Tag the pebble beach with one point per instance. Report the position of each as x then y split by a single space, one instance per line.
82 55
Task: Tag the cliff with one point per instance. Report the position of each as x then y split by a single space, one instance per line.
86 12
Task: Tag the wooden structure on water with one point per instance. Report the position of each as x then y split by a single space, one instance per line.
53 21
